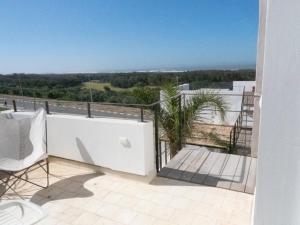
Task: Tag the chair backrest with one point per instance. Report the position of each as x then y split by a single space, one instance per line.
9 137
23 138
37 137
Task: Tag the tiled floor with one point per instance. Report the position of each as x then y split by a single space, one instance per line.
78 195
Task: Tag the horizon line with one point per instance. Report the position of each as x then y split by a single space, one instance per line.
170 70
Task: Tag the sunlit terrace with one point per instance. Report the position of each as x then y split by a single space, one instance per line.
104 171
81 194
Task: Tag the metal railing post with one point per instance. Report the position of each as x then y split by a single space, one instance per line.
47 107
180 122
89 110
230 142
234 135
34 104
142 114
166 154
156 137
14 105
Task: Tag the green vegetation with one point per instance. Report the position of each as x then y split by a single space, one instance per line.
114 87
175 122
96 85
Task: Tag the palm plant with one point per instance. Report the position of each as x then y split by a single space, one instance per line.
177 119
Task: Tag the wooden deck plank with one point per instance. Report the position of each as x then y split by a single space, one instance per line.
205 168
177 173
200 165
174 162
215 173
251 181
173 172
240 178
189 161
229 171
194 167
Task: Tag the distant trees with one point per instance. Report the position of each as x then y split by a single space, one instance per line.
145 85
146 95
106 88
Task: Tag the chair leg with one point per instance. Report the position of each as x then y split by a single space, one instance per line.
20 177
10 186
5 185
47 171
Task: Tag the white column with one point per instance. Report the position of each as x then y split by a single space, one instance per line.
259 75
278 179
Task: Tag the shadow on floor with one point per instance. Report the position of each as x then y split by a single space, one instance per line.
50 194
177 177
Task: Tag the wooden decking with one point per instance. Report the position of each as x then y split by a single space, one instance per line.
202 166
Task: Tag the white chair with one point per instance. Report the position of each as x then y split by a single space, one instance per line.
20 213
23 145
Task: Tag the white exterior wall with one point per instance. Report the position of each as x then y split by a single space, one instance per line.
233 100
240 85
184 87
98 141
118 144
278 179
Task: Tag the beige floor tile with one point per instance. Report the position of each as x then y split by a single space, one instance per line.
201 220
108 211
143 206
92 205
127 201
182 217
124 215
240 218
112 197
194 195
70 215
202 209
49 221
162 222
181 203
104 221
142 219
162 199
100 194
86 219
162 212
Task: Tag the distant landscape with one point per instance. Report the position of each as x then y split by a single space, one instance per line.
133 87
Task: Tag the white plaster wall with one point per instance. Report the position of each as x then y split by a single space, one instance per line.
278 179
184 87
233 100
240 85
97 141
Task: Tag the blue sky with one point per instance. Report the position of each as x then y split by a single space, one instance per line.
111 35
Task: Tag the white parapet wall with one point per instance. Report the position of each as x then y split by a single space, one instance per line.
233 100
118 144
241 86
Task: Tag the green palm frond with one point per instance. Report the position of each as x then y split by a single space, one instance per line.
200 103
170 114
